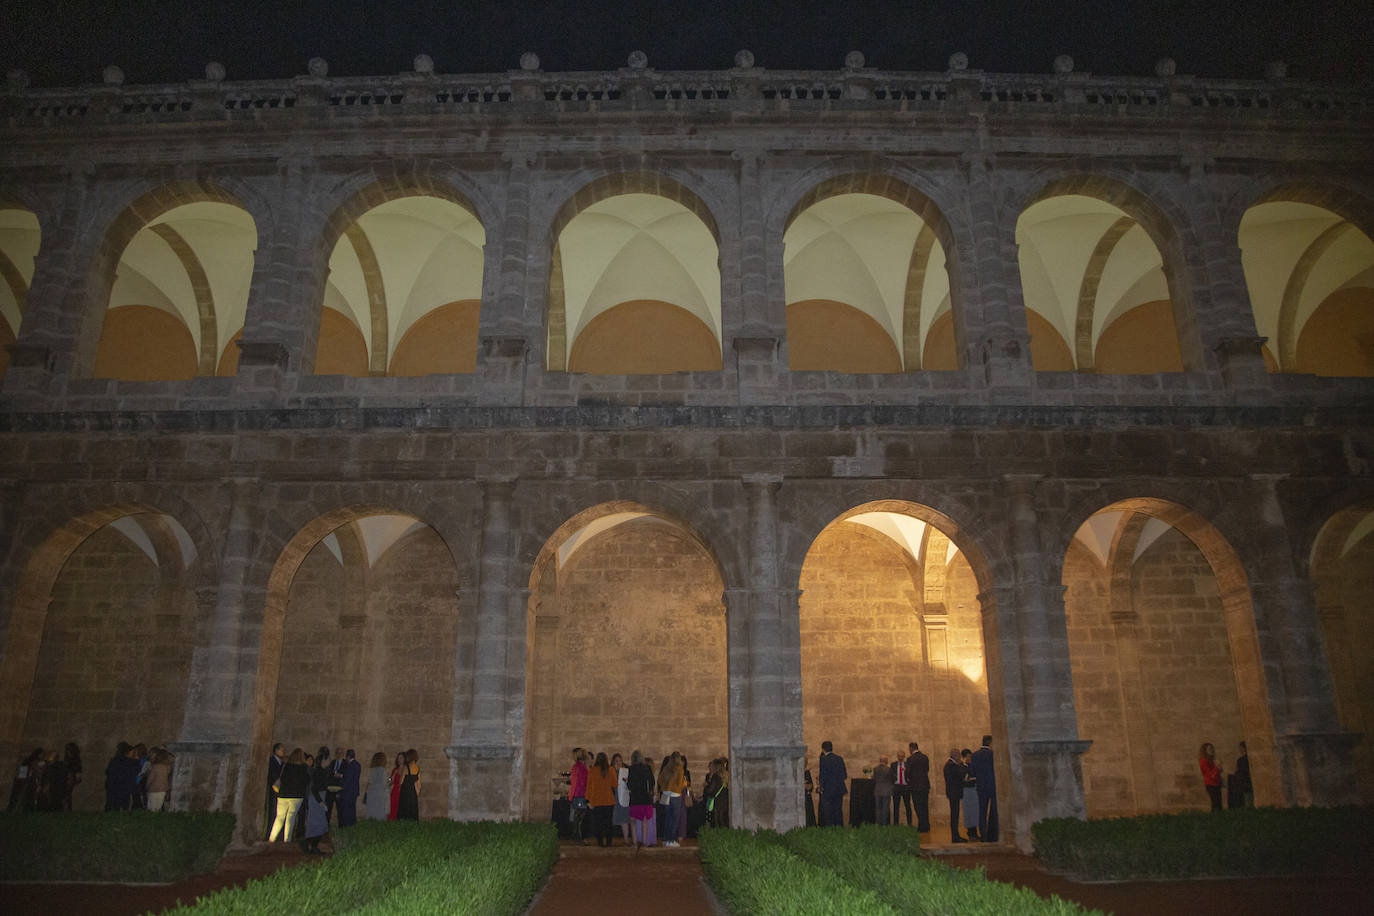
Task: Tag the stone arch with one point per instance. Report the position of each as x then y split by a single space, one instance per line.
358 195
1353 209
140 214
1138 783
1163 220
598 591
282 558
39 555
615 179
910 190
885 624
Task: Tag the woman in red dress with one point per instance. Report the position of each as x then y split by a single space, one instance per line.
398 773
1211 774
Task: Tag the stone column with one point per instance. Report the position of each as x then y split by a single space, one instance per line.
767 757
213 766
55 308
485 774
1223 326
1316 755
754 331
1045 753
281 327
994 334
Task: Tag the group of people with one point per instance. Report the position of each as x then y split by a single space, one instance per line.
1240 791
645 806
970 784
45 781
305 792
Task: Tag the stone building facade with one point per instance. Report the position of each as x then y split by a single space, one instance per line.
724 412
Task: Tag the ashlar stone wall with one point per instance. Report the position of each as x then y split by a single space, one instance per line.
367 656
115 657
630 654
882 665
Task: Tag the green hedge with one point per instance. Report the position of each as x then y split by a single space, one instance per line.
879 859
755 873
870 870
1244 841
136 847
400 867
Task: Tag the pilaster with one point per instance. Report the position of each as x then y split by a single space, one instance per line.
994 335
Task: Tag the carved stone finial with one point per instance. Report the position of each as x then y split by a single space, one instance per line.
113 76
318 67
638 60
17 79
423 63
958 62
1276 70
744 59
1063 64
854 60
529 61
214 71
1165 66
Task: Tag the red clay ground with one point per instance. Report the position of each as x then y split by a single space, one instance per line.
588 880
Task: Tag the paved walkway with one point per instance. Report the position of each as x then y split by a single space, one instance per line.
588 881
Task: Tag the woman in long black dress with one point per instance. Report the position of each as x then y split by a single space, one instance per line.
409 807
810 802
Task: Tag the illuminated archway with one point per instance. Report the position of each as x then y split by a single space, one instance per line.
1161 632
179 295
1310 275
359 634
892 646
405 283
1095 281
20 236
1342 565
866 280
626 645
635 257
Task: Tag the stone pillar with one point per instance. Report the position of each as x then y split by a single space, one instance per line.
756 328
281 328
994 335
485 767
213 766
55 309
1045 754
767 756
1223 320
1316 756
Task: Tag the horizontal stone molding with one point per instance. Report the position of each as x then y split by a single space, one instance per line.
1050 747
205 748
769 751
481 752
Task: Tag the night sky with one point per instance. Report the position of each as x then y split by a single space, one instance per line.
66 43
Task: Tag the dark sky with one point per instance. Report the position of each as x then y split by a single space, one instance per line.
66 42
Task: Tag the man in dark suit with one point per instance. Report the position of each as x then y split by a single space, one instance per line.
334 785
981 767
918 777
348 794
883 784
833 786
901 792
274 765
954 791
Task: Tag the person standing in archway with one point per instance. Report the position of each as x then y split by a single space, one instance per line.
956 771
901 792
833 786
918 775
1240 791
274 765
981 768
1211 774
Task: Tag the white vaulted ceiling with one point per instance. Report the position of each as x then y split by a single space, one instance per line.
19 238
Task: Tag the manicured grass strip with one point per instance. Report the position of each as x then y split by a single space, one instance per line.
134 846
1245 841
869 859
755 874
431 867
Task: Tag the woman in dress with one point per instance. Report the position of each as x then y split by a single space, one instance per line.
72 758
970 796
398 773
316 814
159 779
810 800
408 808
639 781
620 817
601 784
577 793
378 794
1211 774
